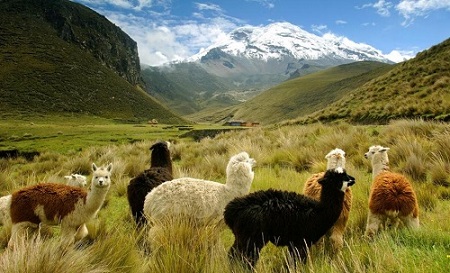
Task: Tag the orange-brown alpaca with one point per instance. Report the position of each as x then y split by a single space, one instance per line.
391 196
335 158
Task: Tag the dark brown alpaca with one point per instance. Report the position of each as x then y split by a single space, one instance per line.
160 171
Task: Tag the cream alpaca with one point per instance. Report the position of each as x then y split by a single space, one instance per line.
58 204
201 200
391 196
335 158
76 180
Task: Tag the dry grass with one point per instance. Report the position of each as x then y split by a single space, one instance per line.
285 156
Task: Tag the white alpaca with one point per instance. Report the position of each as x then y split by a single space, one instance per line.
58 204
199 199
76 180
5 202
391 196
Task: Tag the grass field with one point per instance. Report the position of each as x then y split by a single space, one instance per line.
286 157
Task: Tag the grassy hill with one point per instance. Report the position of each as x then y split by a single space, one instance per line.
42 74
303 95
418 88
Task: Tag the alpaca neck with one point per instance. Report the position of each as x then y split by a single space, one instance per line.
164 162
237 185
379 166
332 201
95 198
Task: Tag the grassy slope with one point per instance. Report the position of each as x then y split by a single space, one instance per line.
305 94
416 88
42 74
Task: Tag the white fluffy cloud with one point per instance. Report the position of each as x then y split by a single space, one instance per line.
410 9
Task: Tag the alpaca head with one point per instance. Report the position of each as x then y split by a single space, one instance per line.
76 180
335 158
101 178
160 156
377 154
240 167
337 178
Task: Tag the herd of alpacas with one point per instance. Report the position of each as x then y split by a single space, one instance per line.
284 218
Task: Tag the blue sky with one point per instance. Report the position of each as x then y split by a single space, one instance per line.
168 30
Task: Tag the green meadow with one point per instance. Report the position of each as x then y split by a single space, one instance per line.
286 156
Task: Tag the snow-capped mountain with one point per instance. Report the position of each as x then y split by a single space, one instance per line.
280 40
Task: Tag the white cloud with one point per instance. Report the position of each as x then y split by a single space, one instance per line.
410 9
164 40
266 3
204 6
382 7
319 28
340 22
400 55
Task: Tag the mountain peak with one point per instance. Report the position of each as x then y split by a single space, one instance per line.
283 39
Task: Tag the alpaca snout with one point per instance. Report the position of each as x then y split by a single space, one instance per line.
252 162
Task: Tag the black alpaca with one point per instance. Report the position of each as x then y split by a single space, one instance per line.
285 218
160 171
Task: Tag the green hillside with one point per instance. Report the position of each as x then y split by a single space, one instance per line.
418 88
303 95
43 74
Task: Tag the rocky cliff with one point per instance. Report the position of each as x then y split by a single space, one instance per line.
88 30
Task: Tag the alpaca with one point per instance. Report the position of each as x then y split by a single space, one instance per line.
58 204
197 199
160 171
285 218
5 202
335 158
391 196
76 180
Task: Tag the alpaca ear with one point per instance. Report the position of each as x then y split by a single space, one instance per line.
109 168
384 149
94 167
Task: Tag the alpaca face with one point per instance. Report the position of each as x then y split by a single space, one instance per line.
335 158
101 178
337 178
374 151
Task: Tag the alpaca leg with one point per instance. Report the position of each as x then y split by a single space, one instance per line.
373 223
82 232
298 251
411 222
246 251
19 231
68 235
337 239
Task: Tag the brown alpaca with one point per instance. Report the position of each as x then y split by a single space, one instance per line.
335 159
391 196
58 204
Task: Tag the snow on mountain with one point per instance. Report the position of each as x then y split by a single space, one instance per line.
282 39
